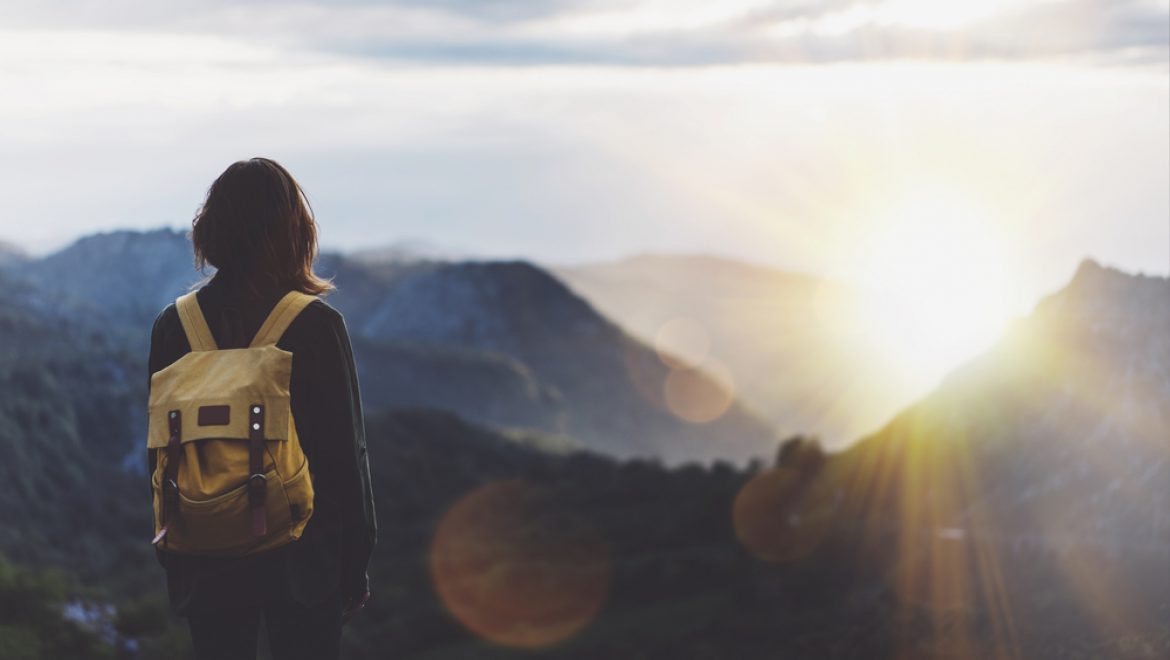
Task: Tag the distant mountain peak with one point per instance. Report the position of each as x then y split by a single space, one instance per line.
121 239
406 250
129 274
1091 273
1104 292
11 253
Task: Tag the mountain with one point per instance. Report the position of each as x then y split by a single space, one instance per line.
122 277
1072 405
1036 477
583 376
11 254
500 343
767 326
492 388
406 250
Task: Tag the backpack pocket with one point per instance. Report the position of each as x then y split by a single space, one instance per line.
222 525
298 491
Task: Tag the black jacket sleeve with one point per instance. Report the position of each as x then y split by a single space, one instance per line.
165 347
339 461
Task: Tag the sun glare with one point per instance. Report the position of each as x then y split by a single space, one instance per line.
936 277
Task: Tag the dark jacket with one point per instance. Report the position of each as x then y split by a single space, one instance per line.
328 563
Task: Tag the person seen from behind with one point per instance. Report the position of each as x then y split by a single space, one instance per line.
257 452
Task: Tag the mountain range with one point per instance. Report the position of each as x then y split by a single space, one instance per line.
500 343
1018 511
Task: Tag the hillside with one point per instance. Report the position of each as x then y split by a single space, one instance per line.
1037 476
768 326
1072 405
123 276
71 423
606 388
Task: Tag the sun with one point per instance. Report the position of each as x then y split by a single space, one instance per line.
936 279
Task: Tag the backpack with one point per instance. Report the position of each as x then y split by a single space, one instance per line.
230 477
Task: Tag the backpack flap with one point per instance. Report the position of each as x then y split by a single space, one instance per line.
214 391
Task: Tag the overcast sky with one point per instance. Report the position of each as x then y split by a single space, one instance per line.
574 130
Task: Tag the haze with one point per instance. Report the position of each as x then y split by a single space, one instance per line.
568 131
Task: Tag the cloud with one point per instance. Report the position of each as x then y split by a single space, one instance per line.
650 32
505 10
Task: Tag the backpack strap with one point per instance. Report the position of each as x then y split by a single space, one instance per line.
194 324
257 481
281 317
169 508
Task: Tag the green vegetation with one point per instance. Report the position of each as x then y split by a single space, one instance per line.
33 622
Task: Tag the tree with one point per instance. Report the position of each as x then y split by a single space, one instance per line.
803 453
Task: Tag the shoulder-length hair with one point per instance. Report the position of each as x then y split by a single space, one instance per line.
256 225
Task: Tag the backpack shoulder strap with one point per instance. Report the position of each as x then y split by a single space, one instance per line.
194 324
281 317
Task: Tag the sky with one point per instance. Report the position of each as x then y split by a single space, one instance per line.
796 134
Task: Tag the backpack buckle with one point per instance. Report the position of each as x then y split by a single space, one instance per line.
170 493
257 488
257 492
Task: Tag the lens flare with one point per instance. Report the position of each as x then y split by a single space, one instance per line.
518 569
783 514
702 395
682 343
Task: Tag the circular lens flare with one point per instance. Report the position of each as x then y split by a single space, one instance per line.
518 569
782 515
682 343
700 396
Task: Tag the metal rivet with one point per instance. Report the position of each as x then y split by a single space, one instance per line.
256 427
256 409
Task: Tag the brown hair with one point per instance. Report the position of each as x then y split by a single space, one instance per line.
257 225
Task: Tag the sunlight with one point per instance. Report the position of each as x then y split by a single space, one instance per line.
938 282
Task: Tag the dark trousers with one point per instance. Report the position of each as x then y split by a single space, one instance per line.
228 598
295 632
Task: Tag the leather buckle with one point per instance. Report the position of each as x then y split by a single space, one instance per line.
257 487
170 492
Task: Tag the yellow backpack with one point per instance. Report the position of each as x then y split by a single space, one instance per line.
230 477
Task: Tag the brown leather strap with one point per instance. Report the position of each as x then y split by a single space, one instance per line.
170 485
257 482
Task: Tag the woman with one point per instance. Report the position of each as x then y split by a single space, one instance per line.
257 230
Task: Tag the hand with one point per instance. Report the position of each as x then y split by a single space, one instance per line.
353 606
